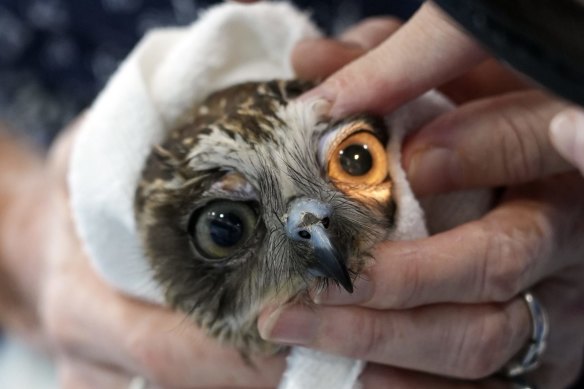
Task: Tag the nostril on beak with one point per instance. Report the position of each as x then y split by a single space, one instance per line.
305 215
304 234
308 221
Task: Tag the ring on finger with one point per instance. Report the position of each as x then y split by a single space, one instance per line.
530 357
521 383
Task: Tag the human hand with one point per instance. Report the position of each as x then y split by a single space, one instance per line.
102 339
448 305
424 307
426 52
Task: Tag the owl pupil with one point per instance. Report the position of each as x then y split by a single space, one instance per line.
356 159
226 229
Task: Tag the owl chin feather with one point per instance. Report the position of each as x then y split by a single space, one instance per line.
244 204
244 335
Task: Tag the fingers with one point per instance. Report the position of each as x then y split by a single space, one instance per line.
488 79
315 59
466 341
535 232
426 52
89 321
165 347
497 141
567 136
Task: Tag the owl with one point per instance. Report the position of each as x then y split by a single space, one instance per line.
256 197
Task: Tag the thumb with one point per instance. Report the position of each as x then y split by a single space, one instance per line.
567 136
426 52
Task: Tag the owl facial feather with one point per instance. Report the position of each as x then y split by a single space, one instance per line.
252 143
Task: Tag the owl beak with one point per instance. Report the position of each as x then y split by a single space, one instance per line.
309 221
329 263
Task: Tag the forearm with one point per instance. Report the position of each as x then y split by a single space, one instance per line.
21 178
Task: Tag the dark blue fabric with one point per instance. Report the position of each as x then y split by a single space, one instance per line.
55 55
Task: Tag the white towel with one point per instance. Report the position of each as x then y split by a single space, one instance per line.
169 71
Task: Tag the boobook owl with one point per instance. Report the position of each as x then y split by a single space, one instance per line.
256 197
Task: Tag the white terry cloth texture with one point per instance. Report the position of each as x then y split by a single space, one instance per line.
169 71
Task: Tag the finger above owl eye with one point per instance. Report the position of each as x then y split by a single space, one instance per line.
360 159
221 227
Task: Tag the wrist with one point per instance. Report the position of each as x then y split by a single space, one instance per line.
20 182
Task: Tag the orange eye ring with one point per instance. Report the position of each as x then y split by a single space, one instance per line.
360 159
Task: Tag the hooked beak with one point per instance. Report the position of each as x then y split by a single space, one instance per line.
309 221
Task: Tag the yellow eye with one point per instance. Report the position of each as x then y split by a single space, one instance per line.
358 160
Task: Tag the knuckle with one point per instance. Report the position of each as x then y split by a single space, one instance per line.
505 264
517 164
402 288
524 146
148 359
484 345
341 80
374 334
410 285
153 360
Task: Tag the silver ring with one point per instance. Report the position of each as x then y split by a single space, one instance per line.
529 359
520 383
138 382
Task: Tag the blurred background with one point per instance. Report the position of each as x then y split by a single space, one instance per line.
55 55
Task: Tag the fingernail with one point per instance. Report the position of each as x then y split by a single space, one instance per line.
567 135
292 324
432 169
335 295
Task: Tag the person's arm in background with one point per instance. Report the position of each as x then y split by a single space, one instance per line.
20 177
50 295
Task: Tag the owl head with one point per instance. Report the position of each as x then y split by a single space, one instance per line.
256 197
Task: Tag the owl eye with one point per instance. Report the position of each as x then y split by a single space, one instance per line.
360 159
220 228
